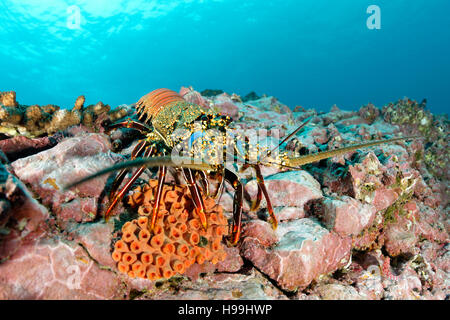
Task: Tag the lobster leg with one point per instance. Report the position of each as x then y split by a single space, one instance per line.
257 202
204 182
161 178
233 179
219 190
262 187
121 175
196 196
124 190
130 124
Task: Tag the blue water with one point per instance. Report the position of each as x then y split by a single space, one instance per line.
313 53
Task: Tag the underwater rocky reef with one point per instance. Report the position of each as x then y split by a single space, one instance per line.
371 224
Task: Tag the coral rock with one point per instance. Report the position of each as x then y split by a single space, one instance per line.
49 171
348 216
8 99
296 253
79 103
289 189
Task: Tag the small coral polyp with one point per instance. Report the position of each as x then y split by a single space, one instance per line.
178 239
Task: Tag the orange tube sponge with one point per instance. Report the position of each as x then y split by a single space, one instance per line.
194 238
129 236
208 254
121 246
213 218
117 256
142 222
184 215
146 258
153 273
144 235
177 266
219 230
194 224
166 272
177 240
187 263
182 227
157 241
136 247
123 267
215 246
158 229
168 248
145 210
171 220
128 258
182 249
215 259
176 209
160 260
175 234
171 196
129 226
136 266
141 274
200 259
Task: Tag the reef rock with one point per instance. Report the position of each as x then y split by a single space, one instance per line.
296 253
348 216
289 191
22 218
49 269
49 171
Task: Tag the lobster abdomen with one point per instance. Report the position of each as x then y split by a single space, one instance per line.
166 110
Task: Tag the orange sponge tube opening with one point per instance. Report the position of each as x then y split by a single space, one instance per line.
129 258
147 258
136 247
121 246
123 267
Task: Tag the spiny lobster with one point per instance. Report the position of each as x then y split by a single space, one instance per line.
170 124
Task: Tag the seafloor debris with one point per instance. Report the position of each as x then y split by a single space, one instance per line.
36 121
178 240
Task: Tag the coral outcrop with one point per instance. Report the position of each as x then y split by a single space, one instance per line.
37 121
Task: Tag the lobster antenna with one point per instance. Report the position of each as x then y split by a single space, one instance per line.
167 161
310 158
289 136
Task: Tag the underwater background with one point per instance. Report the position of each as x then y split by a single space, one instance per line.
313 53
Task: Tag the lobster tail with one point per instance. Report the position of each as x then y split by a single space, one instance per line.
152 103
